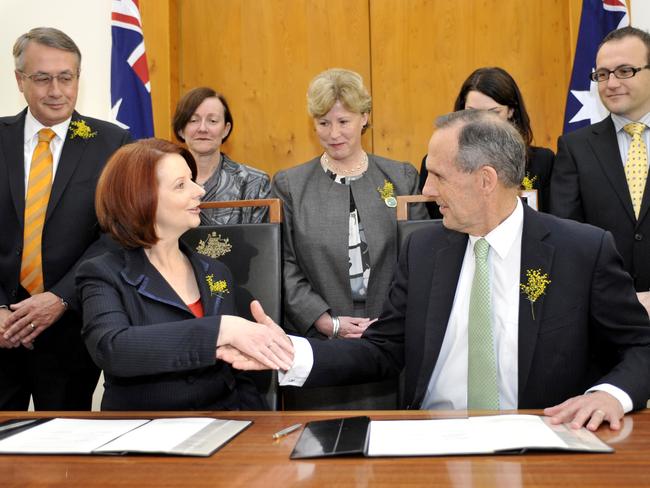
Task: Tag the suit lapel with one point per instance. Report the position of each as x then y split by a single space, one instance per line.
211 302
12 138
331 201
605 146
445 273
375 219
535 254
70 158
141 274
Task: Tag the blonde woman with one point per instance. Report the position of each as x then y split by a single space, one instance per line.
339 236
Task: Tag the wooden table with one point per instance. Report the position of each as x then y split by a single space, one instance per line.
253 459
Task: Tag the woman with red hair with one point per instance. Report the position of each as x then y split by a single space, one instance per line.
155 311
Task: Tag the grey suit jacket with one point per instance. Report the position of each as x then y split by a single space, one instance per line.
315 237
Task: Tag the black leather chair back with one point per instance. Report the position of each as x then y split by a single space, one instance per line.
252 252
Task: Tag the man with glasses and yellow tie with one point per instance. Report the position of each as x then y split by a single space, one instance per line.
50 160
600 172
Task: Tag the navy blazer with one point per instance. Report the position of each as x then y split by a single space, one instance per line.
156 355
589 328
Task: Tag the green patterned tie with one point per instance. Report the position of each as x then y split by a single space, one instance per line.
482 389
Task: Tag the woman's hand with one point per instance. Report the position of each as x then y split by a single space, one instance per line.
263 342
349 328
353 327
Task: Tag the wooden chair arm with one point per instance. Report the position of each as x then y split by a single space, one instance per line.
403 202
274 204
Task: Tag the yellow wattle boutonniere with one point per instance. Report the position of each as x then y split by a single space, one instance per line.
534 287
219 287
79 128
387 193
527 182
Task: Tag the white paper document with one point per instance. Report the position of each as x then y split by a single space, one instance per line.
176 436
475 435
69 436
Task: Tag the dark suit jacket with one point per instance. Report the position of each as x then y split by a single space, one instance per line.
156 355
589 185
71 232
589 304
315 237
539 165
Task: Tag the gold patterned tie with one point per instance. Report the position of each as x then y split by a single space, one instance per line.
636 166
38 195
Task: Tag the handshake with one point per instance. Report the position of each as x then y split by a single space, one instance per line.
254 346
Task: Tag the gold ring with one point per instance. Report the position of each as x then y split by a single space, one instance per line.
32 325
600 412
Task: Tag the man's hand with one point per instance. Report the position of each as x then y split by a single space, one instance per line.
264 342
4 343
644 298
31 317
239 360
593 408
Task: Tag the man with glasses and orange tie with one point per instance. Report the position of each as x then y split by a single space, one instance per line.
600 172
50 160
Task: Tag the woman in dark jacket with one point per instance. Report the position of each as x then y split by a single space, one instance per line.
155 311
495 90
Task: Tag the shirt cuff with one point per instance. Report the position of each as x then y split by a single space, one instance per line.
617 393
303 361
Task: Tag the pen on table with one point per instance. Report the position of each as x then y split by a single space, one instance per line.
287 431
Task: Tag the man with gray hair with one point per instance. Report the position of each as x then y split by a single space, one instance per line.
500 307
50 160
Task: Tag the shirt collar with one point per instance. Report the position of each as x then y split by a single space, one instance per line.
504 235
32 126
620 121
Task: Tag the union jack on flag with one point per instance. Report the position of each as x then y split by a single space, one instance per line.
130 86
598 18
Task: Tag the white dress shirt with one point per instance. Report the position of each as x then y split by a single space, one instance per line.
448 384
32 127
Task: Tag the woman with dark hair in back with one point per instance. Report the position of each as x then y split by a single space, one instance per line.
495 90
203 121
155 311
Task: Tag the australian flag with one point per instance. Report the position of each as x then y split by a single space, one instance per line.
130 86
598 18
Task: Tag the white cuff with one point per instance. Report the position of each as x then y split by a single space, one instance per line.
623 398
303 361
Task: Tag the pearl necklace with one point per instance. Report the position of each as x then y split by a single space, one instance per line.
355 170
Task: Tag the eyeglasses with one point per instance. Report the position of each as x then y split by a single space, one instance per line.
622 72
45 79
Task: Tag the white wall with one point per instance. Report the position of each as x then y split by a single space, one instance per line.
641 14
87 22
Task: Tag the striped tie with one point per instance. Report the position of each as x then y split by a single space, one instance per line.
636 166
38 194
482 388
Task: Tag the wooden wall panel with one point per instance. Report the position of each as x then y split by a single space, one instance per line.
422 51
261 55
159 24
414 54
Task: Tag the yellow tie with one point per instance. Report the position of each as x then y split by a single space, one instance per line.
38 194
636 166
